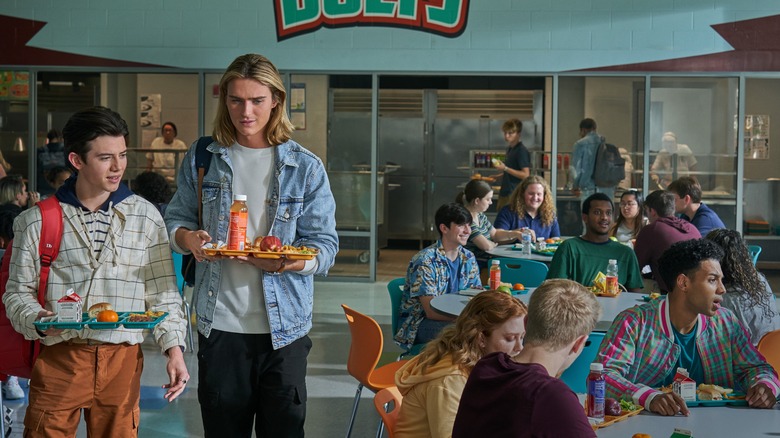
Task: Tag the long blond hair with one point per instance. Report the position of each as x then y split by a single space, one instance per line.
259 68
517 200
483 314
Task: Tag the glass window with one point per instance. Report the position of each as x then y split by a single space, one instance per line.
762 188
14 123
337 118
616 104
692 133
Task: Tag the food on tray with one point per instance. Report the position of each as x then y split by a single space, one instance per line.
518 286
107 316
612 407
553 240
655 295
147 316
628 406
95 309
269 243
712 392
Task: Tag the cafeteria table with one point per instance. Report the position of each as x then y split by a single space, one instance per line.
507 251
713 421
453 304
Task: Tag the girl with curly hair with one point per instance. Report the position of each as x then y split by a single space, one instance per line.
748 293
530 206
432 382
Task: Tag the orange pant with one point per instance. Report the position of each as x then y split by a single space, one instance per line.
104 380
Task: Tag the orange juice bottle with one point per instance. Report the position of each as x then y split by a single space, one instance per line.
495 274
237 227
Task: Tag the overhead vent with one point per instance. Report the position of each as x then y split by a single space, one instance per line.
390 101
460 103
486 103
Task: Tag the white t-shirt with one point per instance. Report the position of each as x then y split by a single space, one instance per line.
240 304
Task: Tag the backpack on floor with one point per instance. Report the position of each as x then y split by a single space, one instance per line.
610 166
17 354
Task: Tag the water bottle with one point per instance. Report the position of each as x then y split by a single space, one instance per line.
612 278
596 384
527 244
541 244
495 274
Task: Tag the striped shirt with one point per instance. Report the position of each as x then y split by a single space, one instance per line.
638 352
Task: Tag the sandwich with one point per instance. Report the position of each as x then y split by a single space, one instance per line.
712 392
97 308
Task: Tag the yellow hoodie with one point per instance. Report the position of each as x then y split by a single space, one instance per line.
430 400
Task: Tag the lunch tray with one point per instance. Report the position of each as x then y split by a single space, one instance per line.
735 399
612 419
256 253
94 324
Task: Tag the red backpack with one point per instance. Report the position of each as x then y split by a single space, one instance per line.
18 354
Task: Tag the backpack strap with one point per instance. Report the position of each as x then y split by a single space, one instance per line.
202 162
51 235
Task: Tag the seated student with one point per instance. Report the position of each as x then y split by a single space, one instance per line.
444 267
687 202
431 383
530 206
748 294
630 218
56 176
522 396
582 258
689 329
665 229
13 190
153 187
477 197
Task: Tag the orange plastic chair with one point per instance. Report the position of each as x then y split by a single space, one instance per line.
388 403
769 346
364 353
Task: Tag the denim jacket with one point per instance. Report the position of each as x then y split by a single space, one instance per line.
301 211
583 160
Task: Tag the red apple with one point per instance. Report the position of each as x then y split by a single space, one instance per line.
270 243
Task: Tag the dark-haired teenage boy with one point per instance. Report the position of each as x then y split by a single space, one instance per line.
689 329
444 267
114 249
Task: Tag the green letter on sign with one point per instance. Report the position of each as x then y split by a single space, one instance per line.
292 15
447 15
341 8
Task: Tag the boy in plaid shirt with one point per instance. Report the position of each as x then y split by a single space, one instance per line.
689 329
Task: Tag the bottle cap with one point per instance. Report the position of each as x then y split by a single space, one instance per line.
596 366
612 262
496 262
239 197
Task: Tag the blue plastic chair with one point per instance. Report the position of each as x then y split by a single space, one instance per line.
177 262
754 251
395 289
530 273
575 375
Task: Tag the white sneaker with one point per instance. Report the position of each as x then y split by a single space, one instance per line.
11 389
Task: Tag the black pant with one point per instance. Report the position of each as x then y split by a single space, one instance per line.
243 380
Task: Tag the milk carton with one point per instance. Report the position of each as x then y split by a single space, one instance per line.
684 386
69 307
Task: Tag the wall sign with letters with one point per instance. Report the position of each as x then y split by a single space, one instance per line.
440 17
